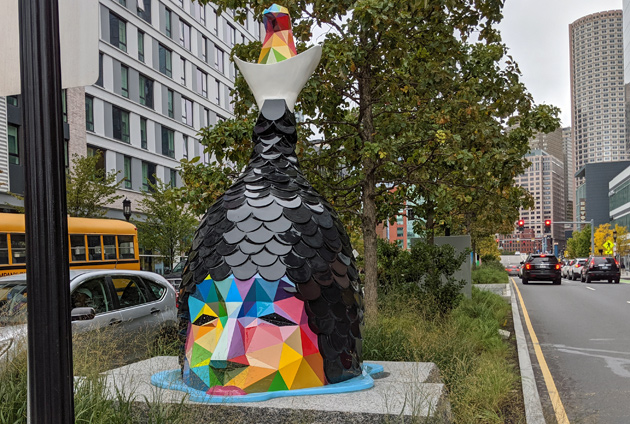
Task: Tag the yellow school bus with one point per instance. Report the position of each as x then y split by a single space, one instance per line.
93 243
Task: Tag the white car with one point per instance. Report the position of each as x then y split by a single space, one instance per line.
139 305
575 270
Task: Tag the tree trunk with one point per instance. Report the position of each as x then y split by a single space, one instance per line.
370 242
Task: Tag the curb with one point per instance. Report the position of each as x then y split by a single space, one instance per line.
533 407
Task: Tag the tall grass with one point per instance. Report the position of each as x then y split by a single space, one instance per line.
490 273
465 345
94 401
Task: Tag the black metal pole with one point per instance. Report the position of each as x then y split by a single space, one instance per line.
49 333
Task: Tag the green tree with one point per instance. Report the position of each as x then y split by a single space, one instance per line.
89 189
403 97
170 224
579 245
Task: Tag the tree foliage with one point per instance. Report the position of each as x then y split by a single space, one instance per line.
604 233
169 225
89 189
404 97
579 245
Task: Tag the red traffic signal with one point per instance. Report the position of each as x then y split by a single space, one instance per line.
547 225
521 224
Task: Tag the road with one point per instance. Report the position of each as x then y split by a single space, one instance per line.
584 334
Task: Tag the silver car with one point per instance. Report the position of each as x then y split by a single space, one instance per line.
139 305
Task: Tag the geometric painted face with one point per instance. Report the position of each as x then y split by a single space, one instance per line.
248 337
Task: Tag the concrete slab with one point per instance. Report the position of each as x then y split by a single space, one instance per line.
404 391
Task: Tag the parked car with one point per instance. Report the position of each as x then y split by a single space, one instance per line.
599 268
575 270
541 267
138 305
175 276
565 268
512 269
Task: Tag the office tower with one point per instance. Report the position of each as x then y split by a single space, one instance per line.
549 142
164 74
569 180
597 89
544 180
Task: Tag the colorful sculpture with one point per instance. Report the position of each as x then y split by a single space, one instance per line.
271 297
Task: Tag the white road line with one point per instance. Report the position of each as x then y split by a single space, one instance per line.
627 301
591 288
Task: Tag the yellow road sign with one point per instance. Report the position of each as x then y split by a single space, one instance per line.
608 247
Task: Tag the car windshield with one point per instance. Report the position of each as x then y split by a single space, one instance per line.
12 303
179 267
601 261
545 259
581 262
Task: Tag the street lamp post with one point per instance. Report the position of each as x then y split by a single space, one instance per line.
127 209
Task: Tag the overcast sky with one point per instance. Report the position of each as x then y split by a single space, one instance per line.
537 33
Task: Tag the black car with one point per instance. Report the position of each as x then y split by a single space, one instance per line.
599 268
541 267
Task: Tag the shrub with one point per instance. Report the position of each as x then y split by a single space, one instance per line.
490 274
424 273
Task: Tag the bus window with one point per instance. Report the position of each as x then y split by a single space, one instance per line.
94 248
109 245
125 247
18 248
77 247
4 250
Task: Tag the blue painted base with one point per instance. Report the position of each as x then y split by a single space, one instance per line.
172 380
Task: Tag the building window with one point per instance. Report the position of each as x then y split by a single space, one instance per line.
141 46
218 90
231 35
171 111
89 113
173 178
184 35
165 61
204 49
146 91
64 104
123 2
120 119
202 13
127 171
167 23
99 81
12 100
399 232
202 83
183 71
14 147
117 32
124 81
187 111
143 133
145 11
148 176
218 60
95 151
185 146
168 142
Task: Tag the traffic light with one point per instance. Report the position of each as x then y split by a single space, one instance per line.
521 225
547 225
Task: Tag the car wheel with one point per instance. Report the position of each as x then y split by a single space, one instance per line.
558 281
609 281
617 281
525 281
588 280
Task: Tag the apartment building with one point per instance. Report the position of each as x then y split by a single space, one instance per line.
164 74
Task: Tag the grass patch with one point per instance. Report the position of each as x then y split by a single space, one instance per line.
472 358
95 402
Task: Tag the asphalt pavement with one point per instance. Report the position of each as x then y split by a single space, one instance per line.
584 333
